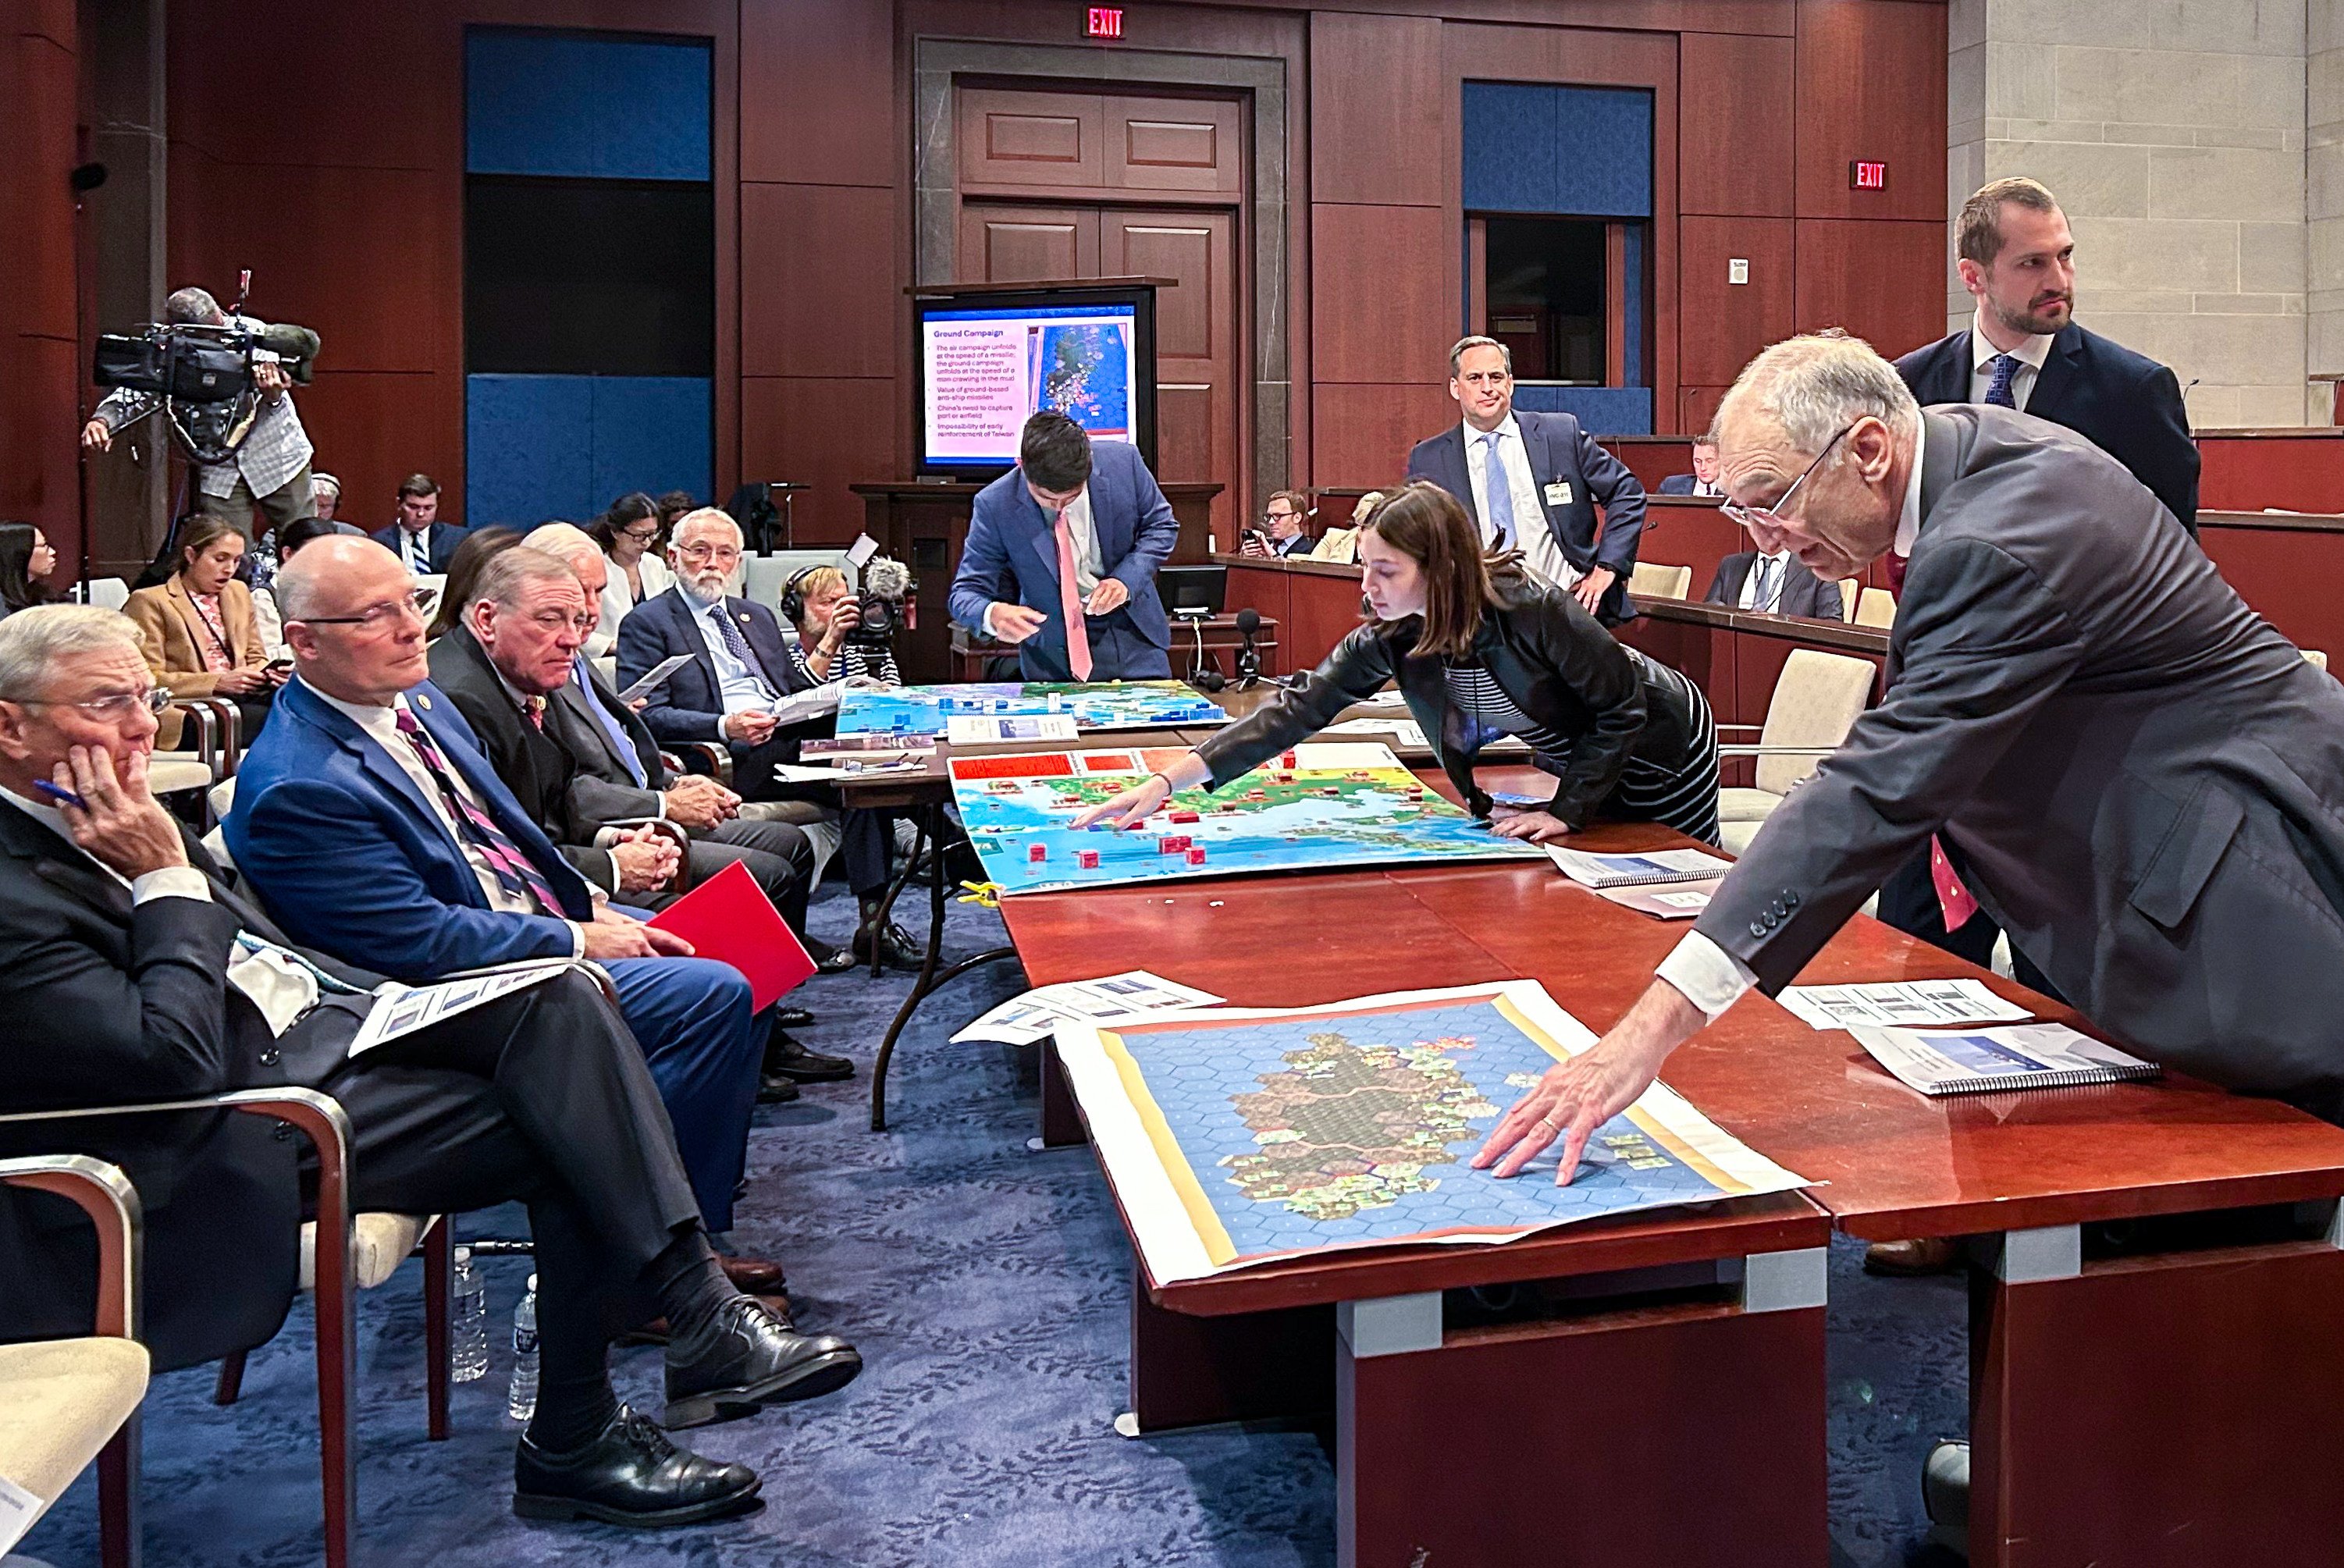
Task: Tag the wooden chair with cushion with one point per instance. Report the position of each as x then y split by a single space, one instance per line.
1653 581
1876 607
65 1402
1846 586
1817 699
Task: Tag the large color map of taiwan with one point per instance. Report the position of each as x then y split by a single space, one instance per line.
1237 1137
1323 807
1082 370
1095 705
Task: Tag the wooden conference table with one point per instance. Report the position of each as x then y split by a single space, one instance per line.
2153 1407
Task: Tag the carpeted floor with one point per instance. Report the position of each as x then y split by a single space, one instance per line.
986 1287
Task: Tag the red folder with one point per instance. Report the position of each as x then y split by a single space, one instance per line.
729 918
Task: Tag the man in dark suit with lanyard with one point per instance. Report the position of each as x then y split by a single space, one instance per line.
1554 477
2024 351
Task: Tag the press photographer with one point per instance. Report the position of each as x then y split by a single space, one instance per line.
841 634
223 386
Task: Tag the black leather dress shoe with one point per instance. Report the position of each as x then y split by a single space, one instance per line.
896 948
773 1088
832 961
749 1356
793 1018
788 1059
631 1473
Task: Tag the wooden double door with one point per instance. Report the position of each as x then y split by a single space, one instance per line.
1058 186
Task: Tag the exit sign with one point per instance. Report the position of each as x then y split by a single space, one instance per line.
1863 176
1103 22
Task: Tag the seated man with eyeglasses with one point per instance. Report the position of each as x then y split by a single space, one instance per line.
741 669
374 828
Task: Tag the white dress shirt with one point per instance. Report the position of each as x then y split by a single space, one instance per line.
1532 537
1761 585
744 689
1082 529
2030 355
414 548
381 725
1704 974
619 600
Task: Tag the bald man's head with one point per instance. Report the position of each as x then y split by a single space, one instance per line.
352 620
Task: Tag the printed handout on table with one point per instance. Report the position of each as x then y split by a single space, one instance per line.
1111 998
1899 1004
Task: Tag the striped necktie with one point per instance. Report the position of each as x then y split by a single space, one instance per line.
505 861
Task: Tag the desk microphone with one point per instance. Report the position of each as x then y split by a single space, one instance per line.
1202 674
1248 664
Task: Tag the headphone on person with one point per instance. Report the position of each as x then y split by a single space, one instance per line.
792 602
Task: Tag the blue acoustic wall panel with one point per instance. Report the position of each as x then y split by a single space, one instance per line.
539 447
1603 411
584 108
1563 151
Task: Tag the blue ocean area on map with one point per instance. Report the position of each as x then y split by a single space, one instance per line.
1084 371
1313 1132
1095 705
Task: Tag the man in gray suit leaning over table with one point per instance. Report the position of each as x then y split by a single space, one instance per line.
2148 780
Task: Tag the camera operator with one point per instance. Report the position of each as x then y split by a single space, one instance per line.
270 469
827 614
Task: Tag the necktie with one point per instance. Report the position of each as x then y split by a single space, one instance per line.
1769 594
534 706
1070 603
738 646
506 863
621 743
1499 504
1954 901
2005 370
1896 565
418 551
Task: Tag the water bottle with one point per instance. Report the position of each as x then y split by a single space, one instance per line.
521 1404
467 1325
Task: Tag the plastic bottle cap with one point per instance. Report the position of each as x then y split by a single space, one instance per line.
532 1284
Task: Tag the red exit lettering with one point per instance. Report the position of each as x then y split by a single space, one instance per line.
1863 176
1104 22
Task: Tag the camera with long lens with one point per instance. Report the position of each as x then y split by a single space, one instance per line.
885 604
205 375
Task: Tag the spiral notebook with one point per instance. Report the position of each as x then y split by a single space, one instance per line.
1990 1061
1651 869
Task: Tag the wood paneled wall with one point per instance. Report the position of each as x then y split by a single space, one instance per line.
351 215
40 358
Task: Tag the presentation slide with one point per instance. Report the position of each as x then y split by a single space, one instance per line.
988 370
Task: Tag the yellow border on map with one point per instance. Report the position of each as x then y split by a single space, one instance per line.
1727 1186
1209 1229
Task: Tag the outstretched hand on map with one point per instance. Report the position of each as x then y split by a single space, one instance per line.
1575 1097
1133 804
1537 826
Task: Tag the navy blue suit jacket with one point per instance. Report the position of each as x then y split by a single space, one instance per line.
351 858
445 537
1560 452
688 705
2124 403
1011 553
1677 485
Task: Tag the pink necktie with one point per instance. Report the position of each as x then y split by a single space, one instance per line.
1070 603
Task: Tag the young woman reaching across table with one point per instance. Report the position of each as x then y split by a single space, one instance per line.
1481 649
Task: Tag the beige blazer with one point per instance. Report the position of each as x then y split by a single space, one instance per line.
175 635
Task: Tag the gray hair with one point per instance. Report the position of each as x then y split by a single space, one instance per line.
508 571
32 641
565 542
1477 341
319 481
707 514
193 305
1816 386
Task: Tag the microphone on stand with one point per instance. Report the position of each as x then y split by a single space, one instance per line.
1248 663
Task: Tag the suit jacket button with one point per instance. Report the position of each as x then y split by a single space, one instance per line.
1779 909
1790 898
284 1133
1757 928
270 1058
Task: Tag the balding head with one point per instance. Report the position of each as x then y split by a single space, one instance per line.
574 548
351 621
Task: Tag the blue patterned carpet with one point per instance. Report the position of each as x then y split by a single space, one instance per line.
988 1288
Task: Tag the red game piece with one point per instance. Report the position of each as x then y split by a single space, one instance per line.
1088 859
1038 852
1182 816
1195 857
1286 760
1173 844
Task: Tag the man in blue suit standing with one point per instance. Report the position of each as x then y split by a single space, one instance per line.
421 541
374 828
1554 475
1062 556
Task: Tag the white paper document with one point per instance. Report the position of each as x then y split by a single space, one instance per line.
655 676
814 702
1899 1004
1111 999
18 1510
1650 869
1982 1061
1404 732
402 1009
991 729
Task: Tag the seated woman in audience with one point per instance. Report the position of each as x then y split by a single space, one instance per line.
632 534
823 612
1481 649
200 632
26 564
464 574
287 540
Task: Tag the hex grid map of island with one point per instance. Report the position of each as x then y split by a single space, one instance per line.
1293 1131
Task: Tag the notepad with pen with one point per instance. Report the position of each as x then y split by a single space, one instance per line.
1988 1061
1652 868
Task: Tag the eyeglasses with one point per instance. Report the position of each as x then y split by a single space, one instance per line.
1778 514
1279 516
114 708
374 617
640 535
719 552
